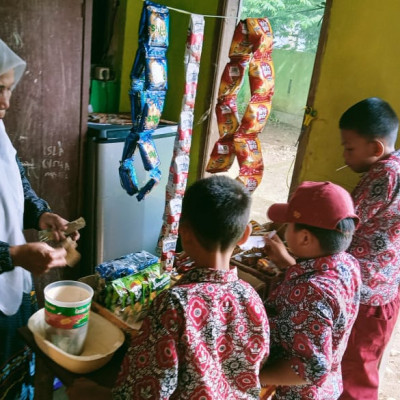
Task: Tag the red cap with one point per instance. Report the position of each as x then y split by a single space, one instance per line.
320 204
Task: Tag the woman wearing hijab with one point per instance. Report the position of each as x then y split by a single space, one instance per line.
20 208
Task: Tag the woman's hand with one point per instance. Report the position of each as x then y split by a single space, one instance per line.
37 257
277 252
86 389
57 225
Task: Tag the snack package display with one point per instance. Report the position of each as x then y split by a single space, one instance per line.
126 265
147 95
179 168
251 47
129 297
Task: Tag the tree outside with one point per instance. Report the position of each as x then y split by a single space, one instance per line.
295 23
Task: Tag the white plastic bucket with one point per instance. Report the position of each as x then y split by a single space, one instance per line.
67 307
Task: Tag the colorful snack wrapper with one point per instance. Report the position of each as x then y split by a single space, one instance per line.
128 178
249 154
262 78
148 85
154 25
148 151
155 177
156 69
250 181
241 45
255 117
227 116
180 164
222 155
126 265
152 110
194 41
131 142
260 34
251 45
129 297
232 77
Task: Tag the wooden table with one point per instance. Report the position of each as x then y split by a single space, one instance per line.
47 369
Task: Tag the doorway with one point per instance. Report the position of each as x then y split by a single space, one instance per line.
296 26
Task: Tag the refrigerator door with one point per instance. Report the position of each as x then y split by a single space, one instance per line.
119 223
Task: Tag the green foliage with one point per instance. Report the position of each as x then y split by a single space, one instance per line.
295 23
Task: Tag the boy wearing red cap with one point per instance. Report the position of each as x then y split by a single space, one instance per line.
312 311
369 132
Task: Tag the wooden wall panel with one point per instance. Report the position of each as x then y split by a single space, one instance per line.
47 117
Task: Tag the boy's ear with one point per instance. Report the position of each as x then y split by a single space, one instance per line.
305 238
379 148
246 234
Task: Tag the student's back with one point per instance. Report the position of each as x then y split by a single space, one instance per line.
207 338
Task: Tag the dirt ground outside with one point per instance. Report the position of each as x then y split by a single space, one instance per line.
279 146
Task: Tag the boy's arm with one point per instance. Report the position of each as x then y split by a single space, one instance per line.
307 339
277 252
151 363
375 191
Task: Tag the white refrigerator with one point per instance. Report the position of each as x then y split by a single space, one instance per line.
118 224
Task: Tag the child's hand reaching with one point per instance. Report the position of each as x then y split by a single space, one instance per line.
276 251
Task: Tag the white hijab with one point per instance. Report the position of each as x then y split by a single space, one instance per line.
17 281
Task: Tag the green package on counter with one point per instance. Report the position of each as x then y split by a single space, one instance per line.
129 297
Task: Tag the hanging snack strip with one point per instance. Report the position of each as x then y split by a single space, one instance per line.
251 47
179 169
147 95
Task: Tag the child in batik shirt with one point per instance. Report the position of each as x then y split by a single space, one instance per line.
208 335
369 132
312 311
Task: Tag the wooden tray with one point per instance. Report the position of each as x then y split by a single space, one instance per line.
252 271
131 329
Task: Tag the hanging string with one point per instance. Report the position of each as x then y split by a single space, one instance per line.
206 16
179 10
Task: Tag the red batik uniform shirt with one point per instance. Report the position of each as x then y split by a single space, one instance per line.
205 338
311 314
376 242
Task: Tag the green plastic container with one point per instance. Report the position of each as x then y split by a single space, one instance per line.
104 96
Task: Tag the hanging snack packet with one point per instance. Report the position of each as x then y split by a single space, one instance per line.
128 178
156 69
255 117
222 155
155 177
154 25
148 151
241 45
232 77
154 104
131 142
251 182
260 34
249 154
262 78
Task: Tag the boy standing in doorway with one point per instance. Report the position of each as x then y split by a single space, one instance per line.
369 132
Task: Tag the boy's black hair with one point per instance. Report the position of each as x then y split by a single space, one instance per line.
372 118
332 241
217 209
